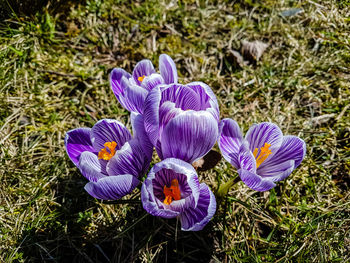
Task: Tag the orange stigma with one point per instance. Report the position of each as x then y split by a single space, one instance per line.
172 193
141 78
264 153
108 152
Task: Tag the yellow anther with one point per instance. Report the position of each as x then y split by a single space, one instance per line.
172 193
141 78
108 152
264 153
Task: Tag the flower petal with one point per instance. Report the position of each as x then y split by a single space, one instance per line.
162 174
194 219
91 167
255 182
265 132
151 114
130 159
278 171
167 69
167 112
152 81
189 136
76 142
205 92
134 96
115 81
143 68
292 148
246 158
184 97
112 187
230 141
138 127
108 130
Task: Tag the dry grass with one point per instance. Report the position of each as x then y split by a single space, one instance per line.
54 77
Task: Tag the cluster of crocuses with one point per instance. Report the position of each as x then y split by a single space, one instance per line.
182 122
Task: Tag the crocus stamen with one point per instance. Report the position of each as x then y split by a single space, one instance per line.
264 153
141 78
172 193
108 152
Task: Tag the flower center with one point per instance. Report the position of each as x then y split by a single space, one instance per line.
264 153
108 152
172 193
141 78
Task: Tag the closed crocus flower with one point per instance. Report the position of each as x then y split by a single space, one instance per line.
182 120
171 190
131 90
109 157
264 156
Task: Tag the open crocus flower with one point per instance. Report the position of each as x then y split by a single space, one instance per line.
109 157
172 189
131 90
264 156
182 120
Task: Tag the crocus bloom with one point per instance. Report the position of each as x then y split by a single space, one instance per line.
109 157
171 189
264 156
182 120
131 90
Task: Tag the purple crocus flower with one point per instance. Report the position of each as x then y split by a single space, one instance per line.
264 156
109 157
171 189
182 120
131 90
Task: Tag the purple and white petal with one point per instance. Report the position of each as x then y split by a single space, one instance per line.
255 182
167 69
78 141
91 167
115 81
151 114
152 81
292 148
143 68
194 219
112 187
108 130
167 111
204 91
130 159
278 171
265 132
184 97
246 158
230 141
138 128
134 96
189 136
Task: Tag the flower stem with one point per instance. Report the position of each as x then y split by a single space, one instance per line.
223 189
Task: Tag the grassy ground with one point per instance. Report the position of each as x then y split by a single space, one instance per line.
54 77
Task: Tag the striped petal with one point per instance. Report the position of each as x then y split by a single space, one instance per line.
167 69
108 130
78 141
230 141
112 187
262 133
194 219
91 167
189 136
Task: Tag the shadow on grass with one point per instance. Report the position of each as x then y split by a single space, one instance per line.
79 232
